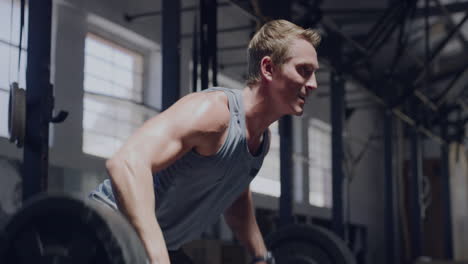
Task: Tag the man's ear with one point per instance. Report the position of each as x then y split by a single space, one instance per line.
266 68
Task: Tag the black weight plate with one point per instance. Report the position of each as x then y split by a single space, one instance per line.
66 229
309 243
298 260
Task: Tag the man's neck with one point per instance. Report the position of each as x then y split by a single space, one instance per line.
259 111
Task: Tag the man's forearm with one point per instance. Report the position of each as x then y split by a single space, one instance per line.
136 201
241 219
252 239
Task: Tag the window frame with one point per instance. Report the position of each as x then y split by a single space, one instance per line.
11 42
120 37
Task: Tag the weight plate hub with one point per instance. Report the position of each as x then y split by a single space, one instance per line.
308 244
17 114
66 229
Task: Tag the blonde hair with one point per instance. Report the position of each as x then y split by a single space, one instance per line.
273 39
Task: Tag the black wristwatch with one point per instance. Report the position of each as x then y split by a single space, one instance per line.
268 258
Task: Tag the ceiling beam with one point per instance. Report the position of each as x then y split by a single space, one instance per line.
361 15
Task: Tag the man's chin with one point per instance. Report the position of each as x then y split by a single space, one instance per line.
298 111
299 114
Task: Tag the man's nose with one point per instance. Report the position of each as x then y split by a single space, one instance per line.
312 83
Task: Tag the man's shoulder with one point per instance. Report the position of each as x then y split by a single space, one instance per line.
207 101
209 109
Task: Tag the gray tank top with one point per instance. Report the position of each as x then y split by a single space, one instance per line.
194 191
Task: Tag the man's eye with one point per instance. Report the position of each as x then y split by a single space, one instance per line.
305 71
302 71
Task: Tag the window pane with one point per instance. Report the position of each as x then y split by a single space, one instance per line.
97 48
9 66
9 56
108 122
5 25
96 85
319 163
121 68
267 180
98 68
99 145
123 59
123 78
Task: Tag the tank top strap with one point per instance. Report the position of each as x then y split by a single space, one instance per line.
233 99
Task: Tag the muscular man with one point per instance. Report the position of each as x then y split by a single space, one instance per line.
193 162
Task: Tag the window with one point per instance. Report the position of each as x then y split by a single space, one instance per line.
9 40
319 134
113 85
267 180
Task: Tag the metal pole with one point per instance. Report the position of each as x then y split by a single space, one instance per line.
170 52
389 188
195 53
415 194
38 99
286 170
337 114
213 40
204 50
283 10
446 201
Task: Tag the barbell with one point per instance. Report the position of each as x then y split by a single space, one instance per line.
62 229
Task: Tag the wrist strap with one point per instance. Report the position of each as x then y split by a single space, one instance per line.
268 258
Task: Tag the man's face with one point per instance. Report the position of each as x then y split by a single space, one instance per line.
293 81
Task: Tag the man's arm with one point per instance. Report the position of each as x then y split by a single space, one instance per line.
240 217
154 146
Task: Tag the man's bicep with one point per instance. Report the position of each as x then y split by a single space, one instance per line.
162 140
166 137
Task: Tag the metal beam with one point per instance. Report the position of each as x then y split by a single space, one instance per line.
233 48
170 52
386 20
443 96
389 189
450 23
337 102
39 103
415 194
398 113
212 30
131 17
283 11
362 15
233 64
12 45
204 51
439 49
446 200
286 171
195 54
448 73
247 8
224 30
413 89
